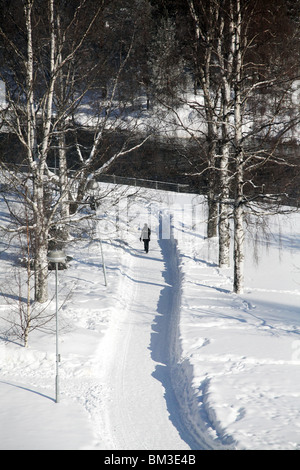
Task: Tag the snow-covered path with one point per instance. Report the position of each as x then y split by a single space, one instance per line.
142 411
164 341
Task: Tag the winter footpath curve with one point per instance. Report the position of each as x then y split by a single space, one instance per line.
152 402
143 411
117 345
165 356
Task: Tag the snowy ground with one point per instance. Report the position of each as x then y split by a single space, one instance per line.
165 356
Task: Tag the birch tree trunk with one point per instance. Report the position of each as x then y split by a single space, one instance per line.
205 72
239 235
41 248
225 54
37 155
224 227
212 201
61 103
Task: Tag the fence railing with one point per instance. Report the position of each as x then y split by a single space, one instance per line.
144 183
128 180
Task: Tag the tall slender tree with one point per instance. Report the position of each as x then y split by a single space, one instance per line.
237 52
49 74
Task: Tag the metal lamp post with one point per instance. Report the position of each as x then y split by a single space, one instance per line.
57 256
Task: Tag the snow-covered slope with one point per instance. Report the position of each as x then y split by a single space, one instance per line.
164 356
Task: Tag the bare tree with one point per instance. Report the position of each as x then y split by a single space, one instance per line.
204 57
51 80
243 55
250 76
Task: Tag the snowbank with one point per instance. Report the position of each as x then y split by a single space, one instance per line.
242 351
233 360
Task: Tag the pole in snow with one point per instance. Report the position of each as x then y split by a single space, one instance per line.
57 256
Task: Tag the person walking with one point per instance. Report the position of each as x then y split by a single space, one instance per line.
145 236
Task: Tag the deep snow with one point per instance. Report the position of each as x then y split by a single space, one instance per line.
165 356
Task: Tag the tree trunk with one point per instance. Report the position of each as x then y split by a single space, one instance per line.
41 219
64 192
238 283
37 168
225 50
41 243
239 162
204 70
213 206
213 214
224 228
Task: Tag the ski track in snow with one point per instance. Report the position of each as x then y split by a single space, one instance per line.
163 357
133 383
152 404
142 412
